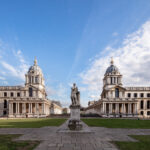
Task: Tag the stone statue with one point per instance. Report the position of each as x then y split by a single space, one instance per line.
75 96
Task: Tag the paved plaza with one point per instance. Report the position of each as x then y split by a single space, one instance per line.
99 139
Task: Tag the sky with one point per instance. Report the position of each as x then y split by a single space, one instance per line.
73 41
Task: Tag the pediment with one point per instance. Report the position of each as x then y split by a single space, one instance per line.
117 86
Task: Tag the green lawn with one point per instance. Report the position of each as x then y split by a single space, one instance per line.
142 144
6 143
118 123
30 123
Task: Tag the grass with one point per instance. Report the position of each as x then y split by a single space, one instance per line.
6 143
142 144
118 123
30 123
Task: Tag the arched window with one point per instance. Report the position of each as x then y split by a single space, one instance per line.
141 113
141 104
5 103
116 92
30 92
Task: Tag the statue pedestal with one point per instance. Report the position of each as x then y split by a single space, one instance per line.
74 121
75 112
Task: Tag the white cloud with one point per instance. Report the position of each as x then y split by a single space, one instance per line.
132 58
12 63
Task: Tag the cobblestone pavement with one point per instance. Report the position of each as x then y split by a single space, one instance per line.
100 139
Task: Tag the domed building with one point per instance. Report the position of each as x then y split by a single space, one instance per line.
119 101
29 100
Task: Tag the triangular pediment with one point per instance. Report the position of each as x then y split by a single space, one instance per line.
117 86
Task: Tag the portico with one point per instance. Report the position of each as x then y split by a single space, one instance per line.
28 109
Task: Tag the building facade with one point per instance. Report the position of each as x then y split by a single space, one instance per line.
119 101
26 101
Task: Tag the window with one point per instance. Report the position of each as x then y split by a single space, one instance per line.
148 113
18 94
4 112
5 103
114 80
11 94
148 104
135 94
30 92
36 79
116 92
5 94
148 94
142 95
129 94
141 113
141 104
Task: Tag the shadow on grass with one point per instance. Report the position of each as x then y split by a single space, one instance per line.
143 143
7 143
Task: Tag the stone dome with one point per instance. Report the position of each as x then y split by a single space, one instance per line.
35 69
112 68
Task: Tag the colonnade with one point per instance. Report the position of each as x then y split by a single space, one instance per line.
19 108
119 108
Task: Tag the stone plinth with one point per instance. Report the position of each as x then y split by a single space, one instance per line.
75 112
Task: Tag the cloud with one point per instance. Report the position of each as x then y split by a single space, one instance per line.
12 64
132 58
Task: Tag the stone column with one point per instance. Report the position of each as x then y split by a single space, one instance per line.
31 108
135 109
129 108
110 112
18 109
111 107
145 104
43 108
103 108
12 108
38 111
112 80
117 108
35 108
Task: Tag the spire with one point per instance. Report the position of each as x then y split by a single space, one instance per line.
35 61
112 61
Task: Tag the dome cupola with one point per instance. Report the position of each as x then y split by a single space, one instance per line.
34 76
112 75
112 68
35 69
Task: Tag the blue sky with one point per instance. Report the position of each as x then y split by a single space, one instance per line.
73 41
